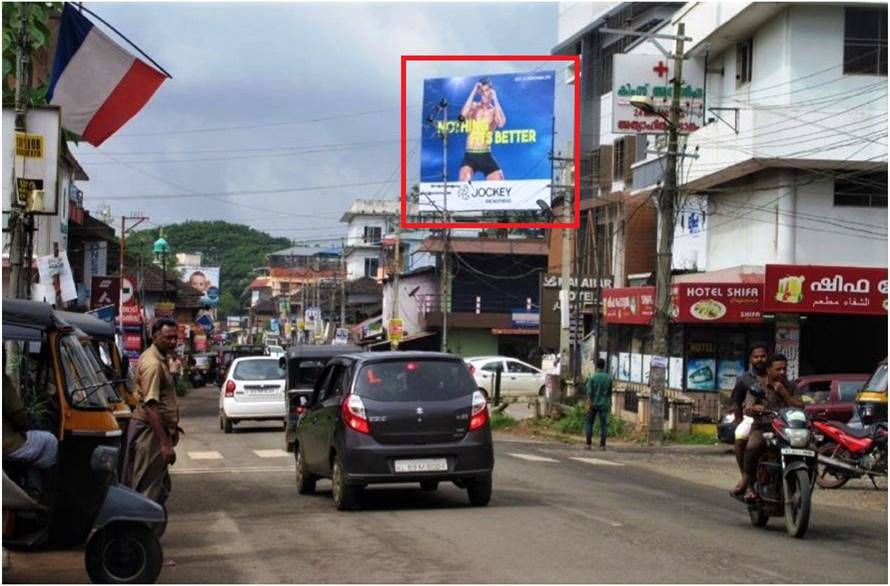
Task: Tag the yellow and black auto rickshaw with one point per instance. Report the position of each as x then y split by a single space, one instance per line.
79 501
871 401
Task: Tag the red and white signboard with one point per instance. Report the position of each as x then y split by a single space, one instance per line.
735 303
825 289
629 305
133 342
132 315
128 291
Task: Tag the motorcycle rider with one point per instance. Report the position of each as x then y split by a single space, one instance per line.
755 377
778 393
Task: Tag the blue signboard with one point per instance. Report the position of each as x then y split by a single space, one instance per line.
523 318
106 313
500 138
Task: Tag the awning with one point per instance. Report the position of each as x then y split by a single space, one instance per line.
404 341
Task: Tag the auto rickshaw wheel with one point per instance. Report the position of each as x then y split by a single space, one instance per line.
124 553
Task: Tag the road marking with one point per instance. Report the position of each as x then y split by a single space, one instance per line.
532 458
597 462
271 453
244 470
204 455
585 514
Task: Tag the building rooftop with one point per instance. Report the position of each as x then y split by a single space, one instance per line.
372 207
307 251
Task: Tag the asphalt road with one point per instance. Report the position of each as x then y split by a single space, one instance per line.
235 517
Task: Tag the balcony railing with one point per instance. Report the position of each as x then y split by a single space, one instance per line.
467 303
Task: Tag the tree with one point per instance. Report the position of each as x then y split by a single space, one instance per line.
38 36
229 304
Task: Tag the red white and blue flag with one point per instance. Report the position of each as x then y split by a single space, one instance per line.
97 84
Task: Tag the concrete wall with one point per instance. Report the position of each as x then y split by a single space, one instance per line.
574 16
409 308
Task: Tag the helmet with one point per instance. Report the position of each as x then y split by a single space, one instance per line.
867 412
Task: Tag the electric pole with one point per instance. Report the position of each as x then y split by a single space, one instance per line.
342 285
397 268
565 371
446 277
19 217
666 198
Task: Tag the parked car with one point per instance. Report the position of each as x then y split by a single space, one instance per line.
395 417
518 379
275 351
303 364
829 396
253 390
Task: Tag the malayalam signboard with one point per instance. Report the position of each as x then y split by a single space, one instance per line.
31 160
583 291
499 133
650 76
825 289
736 303
629 305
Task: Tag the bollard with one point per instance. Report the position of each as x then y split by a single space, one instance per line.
497 384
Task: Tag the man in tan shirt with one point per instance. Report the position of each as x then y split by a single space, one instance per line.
154 429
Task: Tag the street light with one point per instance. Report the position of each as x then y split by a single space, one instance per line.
161 249
645 104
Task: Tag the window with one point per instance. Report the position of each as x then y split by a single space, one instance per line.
867 190
258 369
492 366
619 158
373 234
744 60
285 288
416 380
371 266
519 368
865 40
816 393
848 390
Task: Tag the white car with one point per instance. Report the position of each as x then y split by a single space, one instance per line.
253 390
518 379
275 351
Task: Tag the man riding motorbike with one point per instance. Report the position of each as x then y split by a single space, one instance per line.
778 392
755 377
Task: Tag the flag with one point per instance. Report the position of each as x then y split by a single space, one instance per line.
98 85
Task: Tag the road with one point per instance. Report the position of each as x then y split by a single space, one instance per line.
235 517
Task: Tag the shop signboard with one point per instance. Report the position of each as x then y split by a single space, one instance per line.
584 290
32 159
105 291
629 305
133 342
522 318
132 315
734 303
341 337
825 289
396 330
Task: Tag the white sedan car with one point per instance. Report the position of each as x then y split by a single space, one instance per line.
518 379
253 390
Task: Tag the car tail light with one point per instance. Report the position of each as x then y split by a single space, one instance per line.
354 415
472 369
412 366
479 415
230 388
299 410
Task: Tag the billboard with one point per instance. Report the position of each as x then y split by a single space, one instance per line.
205 280
499 131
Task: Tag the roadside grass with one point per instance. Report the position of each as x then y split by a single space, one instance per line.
698 439
501 421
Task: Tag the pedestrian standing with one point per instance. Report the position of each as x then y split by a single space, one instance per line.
154 429
599 403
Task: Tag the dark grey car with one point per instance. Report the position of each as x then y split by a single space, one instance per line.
395 417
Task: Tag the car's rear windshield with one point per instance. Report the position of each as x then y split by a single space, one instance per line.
258 369
415 380
308 371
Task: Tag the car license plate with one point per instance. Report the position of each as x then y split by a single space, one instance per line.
422 465
797 452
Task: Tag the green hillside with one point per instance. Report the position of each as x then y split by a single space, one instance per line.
235 248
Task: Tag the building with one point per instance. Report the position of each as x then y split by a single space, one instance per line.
367 222
783 199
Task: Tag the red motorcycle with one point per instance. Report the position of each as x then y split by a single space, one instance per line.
850 452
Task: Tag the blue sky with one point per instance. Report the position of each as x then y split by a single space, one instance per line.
284 96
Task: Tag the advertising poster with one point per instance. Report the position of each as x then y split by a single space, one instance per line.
636 368
701 374
56 266
613 366
825 289
728 371
675 373
647 367
205 280
788 342
500 138
624 366
629 305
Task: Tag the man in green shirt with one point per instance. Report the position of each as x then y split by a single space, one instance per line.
599 402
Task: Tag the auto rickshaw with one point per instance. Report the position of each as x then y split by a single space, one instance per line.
303 365
871 401
80 501
100 342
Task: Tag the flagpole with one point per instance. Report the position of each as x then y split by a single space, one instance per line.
121 35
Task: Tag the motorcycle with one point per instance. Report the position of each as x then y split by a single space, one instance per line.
785 473
847 452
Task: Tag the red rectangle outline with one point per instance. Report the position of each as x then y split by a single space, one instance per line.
576 222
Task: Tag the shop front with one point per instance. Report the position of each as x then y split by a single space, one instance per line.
829 319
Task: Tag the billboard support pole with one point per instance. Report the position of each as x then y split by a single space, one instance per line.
446 277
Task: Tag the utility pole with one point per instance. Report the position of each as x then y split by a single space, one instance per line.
18 218
446 276
124 230
565 371
666 198
397 269
343 285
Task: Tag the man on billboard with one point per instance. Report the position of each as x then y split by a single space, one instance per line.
483 118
